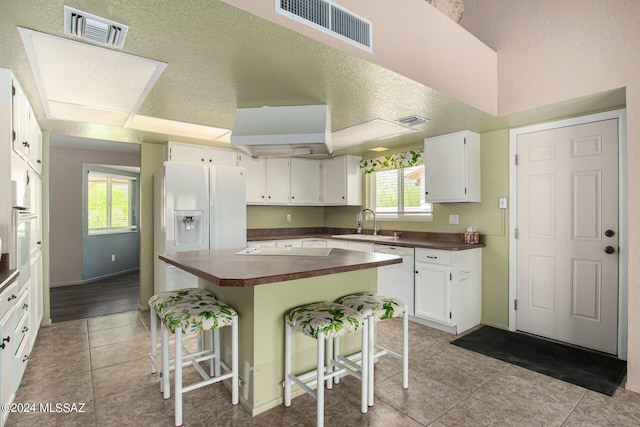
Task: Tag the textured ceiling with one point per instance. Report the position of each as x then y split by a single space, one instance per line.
220 58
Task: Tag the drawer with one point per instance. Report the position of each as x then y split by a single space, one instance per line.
20 362
22 304
433 256
8 298
22 330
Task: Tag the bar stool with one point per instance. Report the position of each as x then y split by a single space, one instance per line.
162 300
323 321
374 307
206 314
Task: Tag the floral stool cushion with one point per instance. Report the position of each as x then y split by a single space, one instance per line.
335 320
197 315
165 299
382 307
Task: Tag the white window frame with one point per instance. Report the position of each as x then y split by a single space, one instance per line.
370 191
133 228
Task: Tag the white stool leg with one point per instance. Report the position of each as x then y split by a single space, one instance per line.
216 352
336 356
405 349
165 384
178 377
320 381
212 367
371 320
154 341
329 362
287 364
234 361
364 374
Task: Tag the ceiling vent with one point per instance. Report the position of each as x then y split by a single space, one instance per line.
412 120
94 28
330 18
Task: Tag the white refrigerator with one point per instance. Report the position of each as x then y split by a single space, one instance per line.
196 207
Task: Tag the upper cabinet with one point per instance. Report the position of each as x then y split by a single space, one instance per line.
342 181
26 134
267 180
284 181
309 182
305 182
452 168
191 153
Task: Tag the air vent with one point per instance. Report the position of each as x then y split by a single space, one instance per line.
94 28
329 18
412 120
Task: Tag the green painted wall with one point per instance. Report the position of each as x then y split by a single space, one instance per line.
276 216
151 158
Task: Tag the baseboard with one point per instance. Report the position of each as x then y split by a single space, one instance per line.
93 279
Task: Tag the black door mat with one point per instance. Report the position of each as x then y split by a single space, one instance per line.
588 369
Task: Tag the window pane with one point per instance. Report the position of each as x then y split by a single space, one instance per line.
97 201
386 197
414 190
120 202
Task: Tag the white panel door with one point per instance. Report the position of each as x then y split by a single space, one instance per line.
567 278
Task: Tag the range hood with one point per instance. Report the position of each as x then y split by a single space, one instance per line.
283 131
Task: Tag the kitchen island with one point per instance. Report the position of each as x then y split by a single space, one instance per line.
263 288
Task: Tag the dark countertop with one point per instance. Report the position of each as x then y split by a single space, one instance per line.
225 268
7 277
415 240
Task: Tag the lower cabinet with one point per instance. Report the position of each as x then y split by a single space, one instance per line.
8 344
448 293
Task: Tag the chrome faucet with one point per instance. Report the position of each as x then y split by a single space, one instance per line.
359 219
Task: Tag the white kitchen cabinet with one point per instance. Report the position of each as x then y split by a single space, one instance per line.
340 244
8 300
35 296
26 134
361 246
448 293
256 173
452 168
268 181
192 153
305 182
314 243
21 335
20 161
278 181
342 181
293 243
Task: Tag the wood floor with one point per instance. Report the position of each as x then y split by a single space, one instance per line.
113 295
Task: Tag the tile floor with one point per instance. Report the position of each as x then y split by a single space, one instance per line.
103 363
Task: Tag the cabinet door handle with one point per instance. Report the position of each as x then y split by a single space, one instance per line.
416 271
25 358
25 329
432 257
12 297
25 306
4 340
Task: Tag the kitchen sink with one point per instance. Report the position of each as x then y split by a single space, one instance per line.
365 237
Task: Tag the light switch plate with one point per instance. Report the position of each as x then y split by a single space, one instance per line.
453 219
502 203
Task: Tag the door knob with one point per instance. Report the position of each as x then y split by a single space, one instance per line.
609 249
609 233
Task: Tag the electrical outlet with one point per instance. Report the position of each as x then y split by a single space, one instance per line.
113 257
502 203
453 219
288 217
